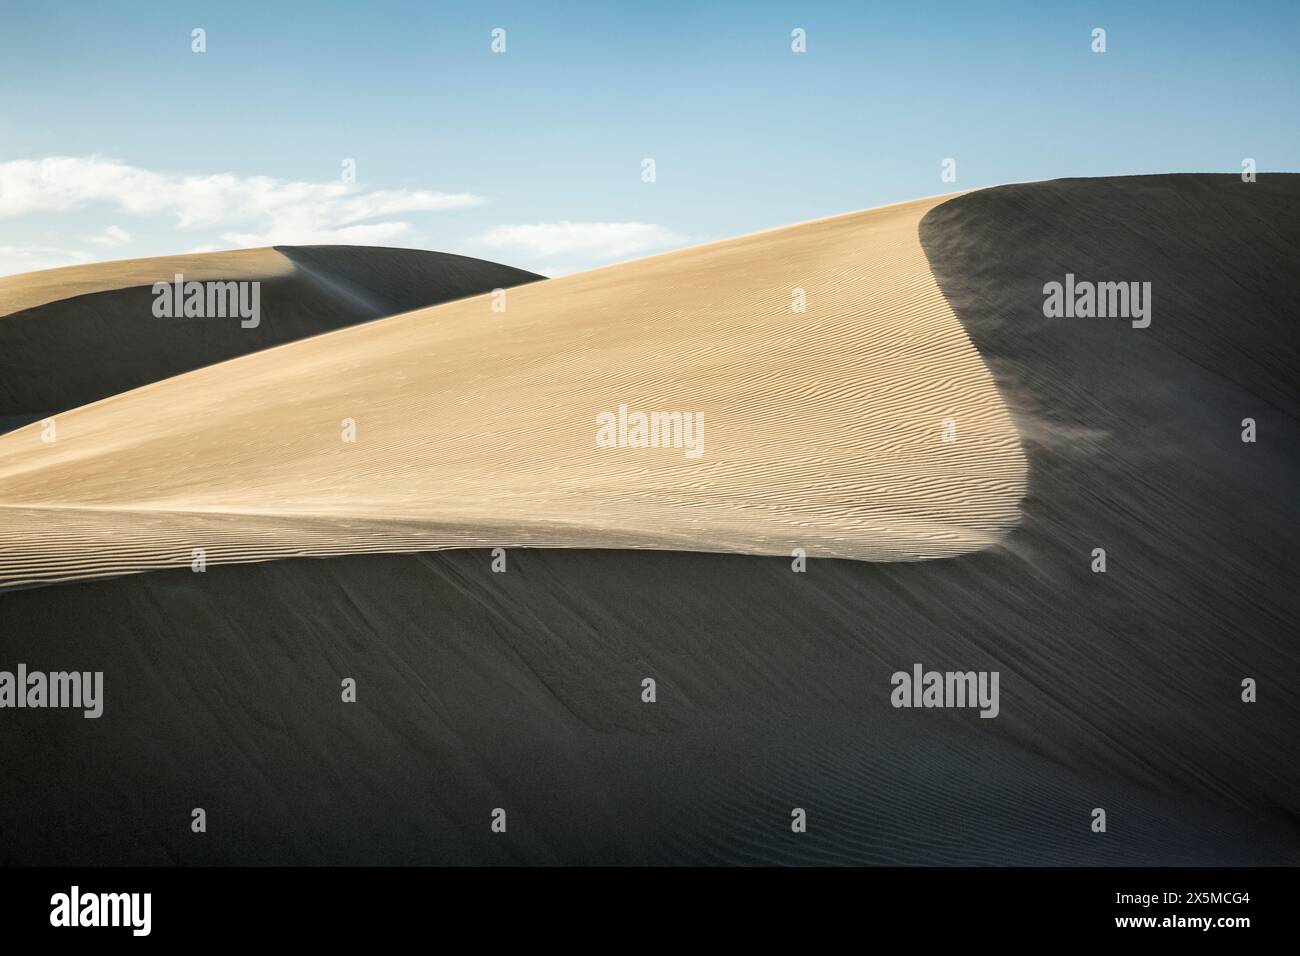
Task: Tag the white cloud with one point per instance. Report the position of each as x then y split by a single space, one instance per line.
369 234
16 259
112 237
593 240
272 210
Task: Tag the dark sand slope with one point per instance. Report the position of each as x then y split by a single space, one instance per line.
73 336
521 690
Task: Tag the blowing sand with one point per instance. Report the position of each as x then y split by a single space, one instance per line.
864 427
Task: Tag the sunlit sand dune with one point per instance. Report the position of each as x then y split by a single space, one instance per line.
864 426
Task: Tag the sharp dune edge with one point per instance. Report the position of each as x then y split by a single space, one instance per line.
31 290
823 429
522 690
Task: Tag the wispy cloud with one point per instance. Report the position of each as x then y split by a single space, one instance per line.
269 210
368 234
593 241
112 237
15 259
224 210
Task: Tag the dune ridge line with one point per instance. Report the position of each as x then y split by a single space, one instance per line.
865 426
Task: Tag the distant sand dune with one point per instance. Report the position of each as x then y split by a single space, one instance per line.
73 336
822 429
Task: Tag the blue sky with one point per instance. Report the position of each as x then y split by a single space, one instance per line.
116 140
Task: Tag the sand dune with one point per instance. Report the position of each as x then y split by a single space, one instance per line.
822 429
76 335
522 690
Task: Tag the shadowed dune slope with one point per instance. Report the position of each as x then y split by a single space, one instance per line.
822 429
522 690
76 335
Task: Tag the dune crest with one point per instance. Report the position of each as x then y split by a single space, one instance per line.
864 427
76 335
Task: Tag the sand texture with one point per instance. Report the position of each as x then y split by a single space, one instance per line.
823 430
